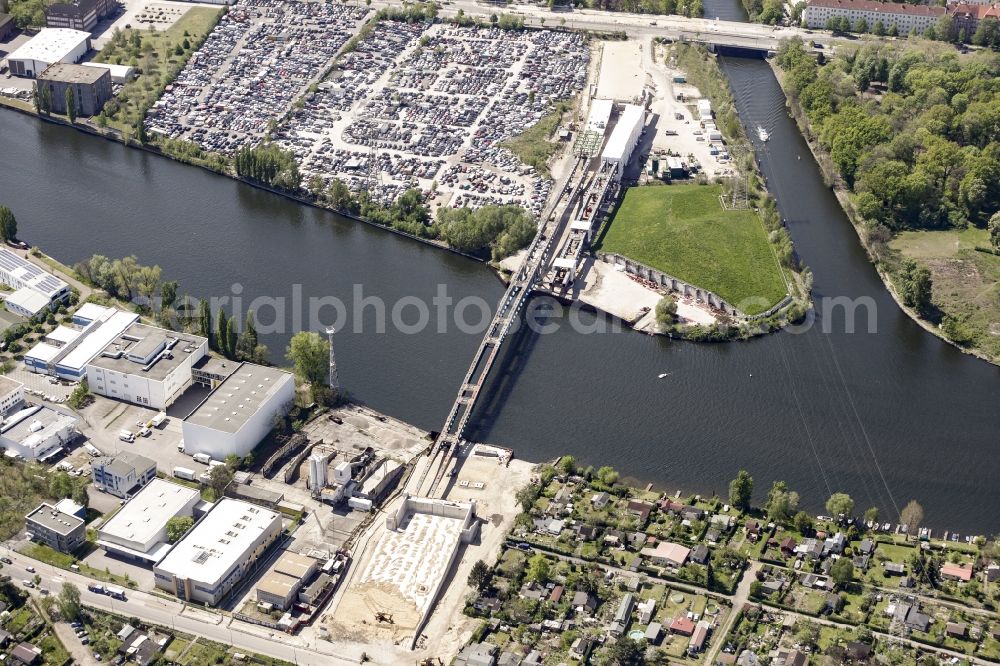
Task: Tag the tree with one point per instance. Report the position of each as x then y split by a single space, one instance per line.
741 490
987 33
479 577
911 516
68 601
781 502
231 337
666 311
842 572
221 334
607 475
994 227
840 505
205 321
69 98
8 224
879 28
527 496
915 284
60 485
626 652
219 477
567 465
803 523
178 526
168 294
310 354
538 569
861 25
871 514
80 495
246 345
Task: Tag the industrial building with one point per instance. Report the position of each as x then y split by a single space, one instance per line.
91 87
904 17
213 557
146 365
50 45
34 289
66 351
37 432
624 137
119 73
58 530
240 412
11 395
280 586
78 15
124 474
7 26
139 530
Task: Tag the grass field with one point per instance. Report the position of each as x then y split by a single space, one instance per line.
683 231
534 146
156 55
966 283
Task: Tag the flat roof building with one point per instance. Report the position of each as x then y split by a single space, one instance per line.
11 395
146 365
50 526
124 474
624 137
78 15
37 432
214 556
139 529
280 585
31 285
240 412
91 88
66 351
7 26
50 45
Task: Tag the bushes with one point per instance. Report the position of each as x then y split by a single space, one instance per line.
501 230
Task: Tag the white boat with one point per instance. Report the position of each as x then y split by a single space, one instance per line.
762 133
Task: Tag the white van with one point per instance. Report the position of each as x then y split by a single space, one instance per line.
126 436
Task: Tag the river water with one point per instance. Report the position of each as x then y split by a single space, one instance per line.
887 416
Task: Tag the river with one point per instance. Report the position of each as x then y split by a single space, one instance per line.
887 416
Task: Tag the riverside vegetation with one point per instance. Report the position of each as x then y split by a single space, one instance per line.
910 136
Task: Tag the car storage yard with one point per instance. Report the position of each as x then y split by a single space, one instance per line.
407 105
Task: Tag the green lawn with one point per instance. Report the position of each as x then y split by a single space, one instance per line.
684 231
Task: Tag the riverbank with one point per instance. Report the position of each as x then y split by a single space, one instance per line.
824 161
115 137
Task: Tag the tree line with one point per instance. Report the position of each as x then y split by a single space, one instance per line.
269 165
914 134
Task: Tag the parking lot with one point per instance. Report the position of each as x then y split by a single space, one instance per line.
410 106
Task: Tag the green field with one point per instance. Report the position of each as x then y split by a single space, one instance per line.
683 231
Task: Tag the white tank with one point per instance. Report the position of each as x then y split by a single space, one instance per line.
318 470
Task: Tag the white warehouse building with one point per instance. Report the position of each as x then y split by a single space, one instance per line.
37 432
35 289
139 530
49 46
146 365
66 351
624 137
239 413
213 557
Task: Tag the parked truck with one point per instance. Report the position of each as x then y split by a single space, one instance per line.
115 592
203 458
97 588
184 473
158 420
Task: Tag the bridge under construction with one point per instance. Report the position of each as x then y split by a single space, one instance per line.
552 258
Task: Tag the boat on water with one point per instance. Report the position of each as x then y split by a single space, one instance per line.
762 133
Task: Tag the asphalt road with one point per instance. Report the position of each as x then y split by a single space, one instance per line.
175 615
